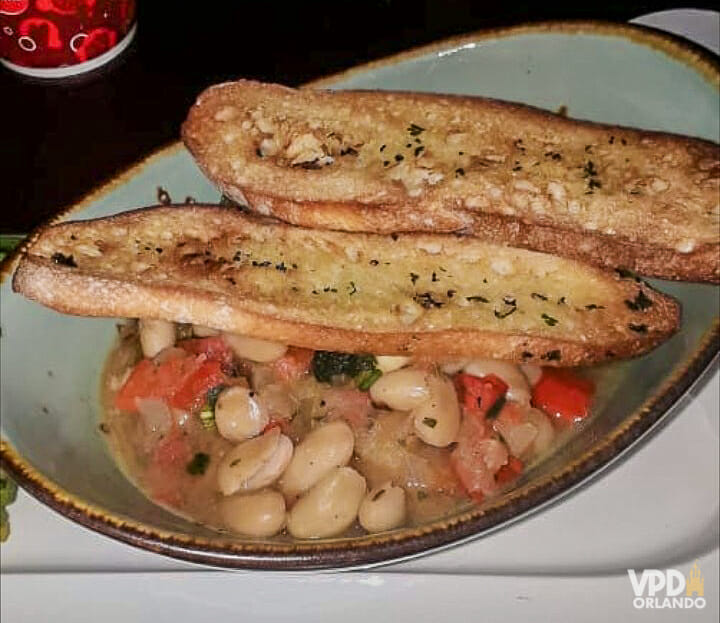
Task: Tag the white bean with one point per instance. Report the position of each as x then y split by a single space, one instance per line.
260 514
518 387
201 331
330 507
383 508
273 468
323 449
437 420
260 351
238 414
401 390
532 372
254 464
390 363
155 335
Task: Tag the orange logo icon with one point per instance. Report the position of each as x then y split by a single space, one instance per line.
695 583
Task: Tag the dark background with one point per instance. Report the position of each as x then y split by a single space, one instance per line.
60 139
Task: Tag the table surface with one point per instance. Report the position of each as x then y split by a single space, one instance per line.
60 139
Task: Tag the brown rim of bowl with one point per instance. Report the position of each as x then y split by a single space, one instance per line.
376 549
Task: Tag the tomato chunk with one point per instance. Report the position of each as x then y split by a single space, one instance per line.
480 393
148 380
294 364
563 395
510 471
191 392
181 382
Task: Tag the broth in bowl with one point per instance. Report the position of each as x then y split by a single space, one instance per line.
258 439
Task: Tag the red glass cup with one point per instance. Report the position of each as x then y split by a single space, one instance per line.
56 38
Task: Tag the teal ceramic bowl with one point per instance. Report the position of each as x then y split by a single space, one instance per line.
51 363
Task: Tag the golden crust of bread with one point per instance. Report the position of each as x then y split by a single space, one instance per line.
428 295
395 162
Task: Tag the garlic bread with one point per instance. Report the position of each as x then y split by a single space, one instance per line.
391 162
437 295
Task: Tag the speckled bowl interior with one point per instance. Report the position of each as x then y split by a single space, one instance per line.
51 363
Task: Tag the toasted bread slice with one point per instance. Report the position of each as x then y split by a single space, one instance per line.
438 296
390 162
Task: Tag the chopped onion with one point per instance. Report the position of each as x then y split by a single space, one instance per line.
155 415
519 437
